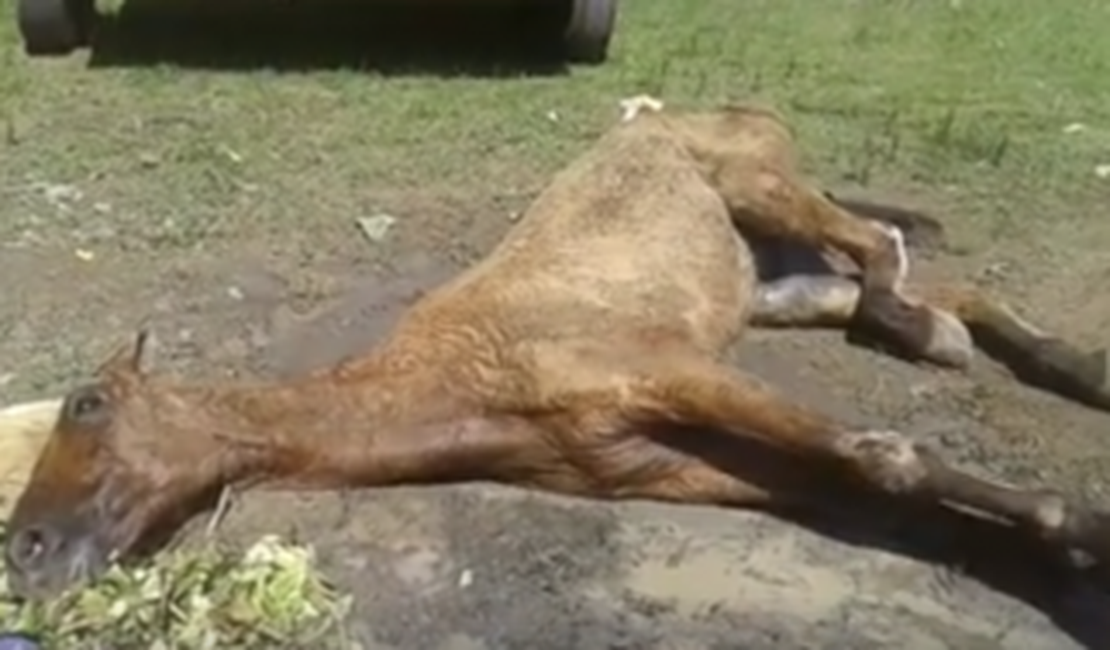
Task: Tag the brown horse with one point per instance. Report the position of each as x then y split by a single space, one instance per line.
582 356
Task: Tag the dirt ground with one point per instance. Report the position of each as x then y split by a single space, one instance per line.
218 207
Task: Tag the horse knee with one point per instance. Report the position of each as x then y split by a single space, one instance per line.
888 460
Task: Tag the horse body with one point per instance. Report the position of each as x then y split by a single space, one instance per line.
582 355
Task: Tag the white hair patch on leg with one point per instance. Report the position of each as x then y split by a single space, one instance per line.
900 247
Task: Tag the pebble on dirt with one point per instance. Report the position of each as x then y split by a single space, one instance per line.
376 227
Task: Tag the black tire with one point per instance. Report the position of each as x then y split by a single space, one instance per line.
55 27
589 30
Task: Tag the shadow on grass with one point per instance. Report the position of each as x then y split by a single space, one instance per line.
394 37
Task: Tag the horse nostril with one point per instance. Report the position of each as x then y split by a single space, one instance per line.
28 546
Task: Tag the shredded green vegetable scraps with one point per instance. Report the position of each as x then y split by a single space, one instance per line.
268 597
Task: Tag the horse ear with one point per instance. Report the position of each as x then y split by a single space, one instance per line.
127 360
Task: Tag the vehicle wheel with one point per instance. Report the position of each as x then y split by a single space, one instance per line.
589 29
55 27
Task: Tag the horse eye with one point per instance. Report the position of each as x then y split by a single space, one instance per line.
86 405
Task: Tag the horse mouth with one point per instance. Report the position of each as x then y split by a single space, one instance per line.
85 560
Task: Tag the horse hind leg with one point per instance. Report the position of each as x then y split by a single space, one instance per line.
920 230
774 203
965 318
1036 357
801 301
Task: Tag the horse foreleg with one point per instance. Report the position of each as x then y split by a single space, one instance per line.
703 395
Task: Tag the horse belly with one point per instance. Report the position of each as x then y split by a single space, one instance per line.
698 286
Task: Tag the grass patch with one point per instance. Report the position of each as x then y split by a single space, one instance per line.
268 597
969 94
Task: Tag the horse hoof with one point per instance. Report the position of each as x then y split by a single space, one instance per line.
950 344
914 331
1093 374
1085 376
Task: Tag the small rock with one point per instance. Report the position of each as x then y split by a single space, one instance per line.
1102 171
923 391
466 578
60 194
356 562
235 293
633 106
231 154
376 227
84 255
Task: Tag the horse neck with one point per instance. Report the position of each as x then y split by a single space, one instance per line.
338 428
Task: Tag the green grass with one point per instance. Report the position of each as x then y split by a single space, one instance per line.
963 102
973 93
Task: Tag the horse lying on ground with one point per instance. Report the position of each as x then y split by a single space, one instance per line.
582 356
